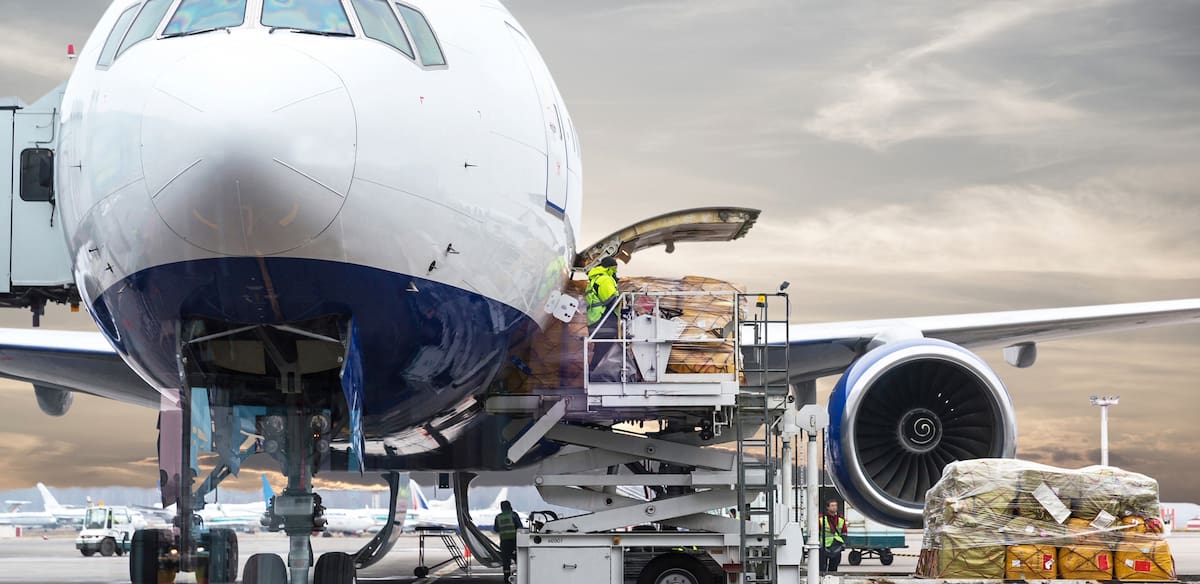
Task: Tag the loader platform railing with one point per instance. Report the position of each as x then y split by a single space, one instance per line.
659 331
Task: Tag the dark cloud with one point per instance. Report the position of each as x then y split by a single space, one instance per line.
910 158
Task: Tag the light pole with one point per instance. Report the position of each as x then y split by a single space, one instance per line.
1104 401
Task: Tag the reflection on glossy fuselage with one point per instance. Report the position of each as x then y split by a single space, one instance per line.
250 176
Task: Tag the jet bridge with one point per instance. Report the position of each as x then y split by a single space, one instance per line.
33 246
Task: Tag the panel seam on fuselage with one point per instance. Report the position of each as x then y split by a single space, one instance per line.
422 197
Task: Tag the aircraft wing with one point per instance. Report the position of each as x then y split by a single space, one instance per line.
824 349
71 361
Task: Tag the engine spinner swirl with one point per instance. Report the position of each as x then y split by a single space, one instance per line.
920 430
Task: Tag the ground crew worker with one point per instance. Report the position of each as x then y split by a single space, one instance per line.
601 299
833 540
506 524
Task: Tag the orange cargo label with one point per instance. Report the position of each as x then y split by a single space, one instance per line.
1142 566
1102 562
1047 562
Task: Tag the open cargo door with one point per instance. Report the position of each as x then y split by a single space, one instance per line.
689 225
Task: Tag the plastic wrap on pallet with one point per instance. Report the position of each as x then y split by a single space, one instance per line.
706 344
555 356
1144 561
1102 522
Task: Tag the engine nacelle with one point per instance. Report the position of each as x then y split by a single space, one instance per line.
904 411
53 402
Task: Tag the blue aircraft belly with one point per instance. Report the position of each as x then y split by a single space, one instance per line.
427 347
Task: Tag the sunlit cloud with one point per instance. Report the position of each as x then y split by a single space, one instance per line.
914 95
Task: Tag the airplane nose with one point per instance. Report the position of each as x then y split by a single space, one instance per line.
248 148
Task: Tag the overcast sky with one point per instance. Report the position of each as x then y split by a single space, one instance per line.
910 158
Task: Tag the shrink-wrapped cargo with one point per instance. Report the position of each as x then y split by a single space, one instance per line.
706 308
962 557
1031 561
1116 492
1023 530
1081 531
1148 561
1136 529
1085 562
1093 516
971 493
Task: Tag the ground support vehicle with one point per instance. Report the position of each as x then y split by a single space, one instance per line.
657 504
108 531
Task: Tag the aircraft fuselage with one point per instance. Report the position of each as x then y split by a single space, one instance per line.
256 176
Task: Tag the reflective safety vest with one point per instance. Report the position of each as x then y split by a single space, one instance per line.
832 535
506 526
601 291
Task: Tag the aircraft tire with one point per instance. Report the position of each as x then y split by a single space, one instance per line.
108 547
223 556
675 569
265 569
335 568
143 556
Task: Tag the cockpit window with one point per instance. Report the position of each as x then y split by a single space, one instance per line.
146 23
427 45
379 22
109 52
200 15
319 16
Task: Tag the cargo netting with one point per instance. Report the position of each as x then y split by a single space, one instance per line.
1018 520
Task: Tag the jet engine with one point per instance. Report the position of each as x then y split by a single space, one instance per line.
904 411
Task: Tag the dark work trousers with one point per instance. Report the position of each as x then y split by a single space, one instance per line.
508 555
602 352
830 560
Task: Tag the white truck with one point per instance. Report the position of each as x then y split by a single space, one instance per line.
108 530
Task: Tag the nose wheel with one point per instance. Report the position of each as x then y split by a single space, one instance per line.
336 568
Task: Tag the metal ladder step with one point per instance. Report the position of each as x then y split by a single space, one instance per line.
451 542
760 403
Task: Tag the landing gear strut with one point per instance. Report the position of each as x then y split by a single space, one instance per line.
298 510
233 406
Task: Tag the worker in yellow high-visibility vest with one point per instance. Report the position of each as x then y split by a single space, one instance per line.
603 324
506 524
833 536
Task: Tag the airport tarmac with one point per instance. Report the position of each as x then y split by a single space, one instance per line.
55 561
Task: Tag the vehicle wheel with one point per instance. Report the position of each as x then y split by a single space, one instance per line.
222 556
108 547
335 568
675 569
143 556
855 558
886 557
87 552
265 569
420 571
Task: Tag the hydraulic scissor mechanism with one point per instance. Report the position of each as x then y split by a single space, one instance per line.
287 391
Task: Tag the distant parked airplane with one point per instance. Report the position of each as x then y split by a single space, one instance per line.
13 515
63 514
435 514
